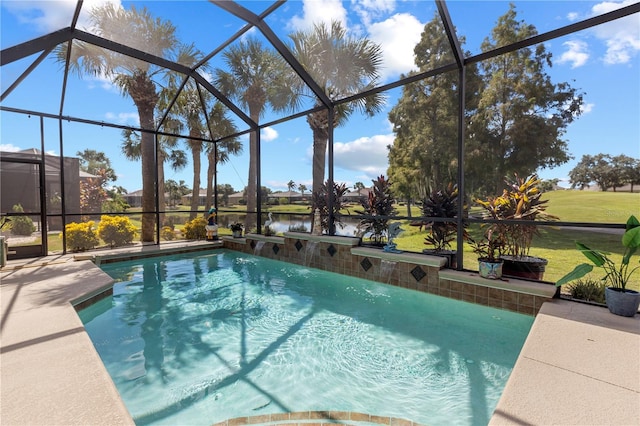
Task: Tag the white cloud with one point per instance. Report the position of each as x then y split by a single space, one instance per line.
621 37
367 155
572 16
7 147
576 54
368 10
123 117
48 16
587 108
314 11
397 35
268 134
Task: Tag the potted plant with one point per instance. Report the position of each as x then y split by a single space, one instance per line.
619 299
519 201
489 249
236 229
441 203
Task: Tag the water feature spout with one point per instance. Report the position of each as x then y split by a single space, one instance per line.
258 248
310 249
386 269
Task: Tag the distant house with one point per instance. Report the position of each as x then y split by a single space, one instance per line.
355 196
288 195
234 199
134 199
185 200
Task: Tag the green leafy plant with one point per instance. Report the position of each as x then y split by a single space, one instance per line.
521 200
116 230
81 236
616 275
442 203
490 247
588 289
320 200
195 229
21 225
378 206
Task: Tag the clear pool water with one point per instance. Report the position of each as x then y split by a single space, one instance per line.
197 340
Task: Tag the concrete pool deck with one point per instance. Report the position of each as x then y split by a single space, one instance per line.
579 365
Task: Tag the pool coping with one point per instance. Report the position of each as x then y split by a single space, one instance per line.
568 372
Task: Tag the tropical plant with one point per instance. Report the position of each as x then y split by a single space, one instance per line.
616 275
256 77
441 203
342 66
134 77
490 247
323 199
378 207
116 230
519 201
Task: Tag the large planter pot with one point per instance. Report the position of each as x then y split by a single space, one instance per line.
622 302
490 269
237 234
528 267
450 255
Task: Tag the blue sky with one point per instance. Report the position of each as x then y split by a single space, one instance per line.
603 62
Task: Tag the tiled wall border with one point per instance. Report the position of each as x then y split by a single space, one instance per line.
408 270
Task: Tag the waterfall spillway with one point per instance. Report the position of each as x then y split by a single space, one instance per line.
258 248
310 251
386 269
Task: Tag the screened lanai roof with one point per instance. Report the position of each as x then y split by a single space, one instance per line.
210 30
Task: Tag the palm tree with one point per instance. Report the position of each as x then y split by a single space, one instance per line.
291 185
256 77
343 66
219 152
302 187
134 77
358 186
189 108
167 153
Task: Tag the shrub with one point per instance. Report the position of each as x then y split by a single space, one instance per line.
167 233
195 229
81 236
116 230
588 289
21 225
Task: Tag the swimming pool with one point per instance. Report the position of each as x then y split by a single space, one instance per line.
198 340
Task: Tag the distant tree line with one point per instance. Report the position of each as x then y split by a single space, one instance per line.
606 171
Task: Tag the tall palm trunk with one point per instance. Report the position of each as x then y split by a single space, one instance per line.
143 93
211 169
318 122
161 188
196 150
